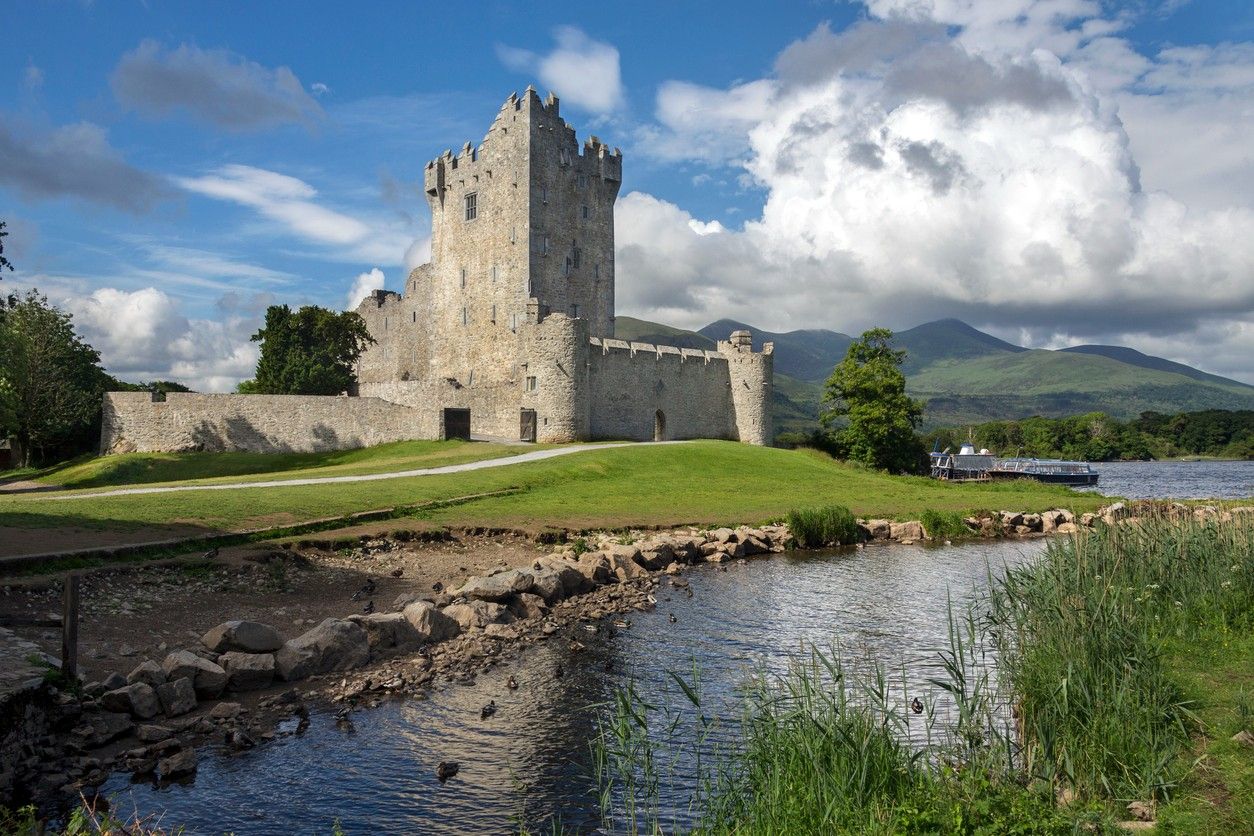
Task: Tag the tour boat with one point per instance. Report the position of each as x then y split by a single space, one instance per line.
1054 471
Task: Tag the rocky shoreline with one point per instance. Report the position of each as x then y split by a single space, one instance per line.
243 683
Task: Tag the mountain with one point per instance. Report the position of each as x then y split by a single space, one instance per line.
967 376
1146 361
643 331
947 340
805 355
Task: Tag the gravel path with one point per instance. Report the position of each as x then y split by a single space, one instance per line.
535 456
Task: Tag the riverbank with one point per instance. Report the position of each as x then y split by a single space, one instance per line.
705 483
136 620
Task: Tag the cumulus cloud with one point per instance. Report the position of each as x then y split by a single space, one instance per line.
145 335
954 158
363 285
582 71
214 85
74 161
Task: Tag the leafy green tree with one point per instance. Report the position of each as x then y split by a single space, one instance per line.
4 262
868 390
50 380
312 351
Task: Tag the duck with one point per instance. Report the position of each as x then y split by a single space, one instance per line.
672 618
211 554
437 587
369 608
511 683
488 710
622 624
916 705
589 628
576 646
396 573
446 770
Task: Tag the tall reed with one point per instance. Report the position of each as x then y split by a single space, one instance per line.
829 525
1081 636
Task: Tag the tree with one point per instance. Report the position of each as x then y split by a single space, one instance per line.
309 352
869 390
51 381
4 262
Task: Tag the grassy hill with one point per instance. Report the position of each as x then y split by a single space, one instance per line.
968 376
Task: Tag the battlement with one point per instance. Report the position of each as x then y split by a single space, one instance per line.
659 352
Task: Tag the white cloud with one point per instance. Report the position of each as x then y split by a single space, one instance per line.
363 285
979 168
581 71
291 204
32 77
144 335
319 89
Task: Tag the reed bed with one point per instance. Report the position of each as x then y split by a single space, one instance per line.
1055 708
828 525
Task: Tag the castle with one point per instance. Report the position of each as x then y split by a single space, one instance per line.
507 333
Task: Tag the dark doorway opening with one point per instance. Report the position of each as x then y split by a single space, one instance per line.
659 425
527 425
457 424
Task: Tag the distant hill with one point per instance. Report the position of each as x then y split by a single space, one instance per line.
805 355
946 340
967 376
1146 361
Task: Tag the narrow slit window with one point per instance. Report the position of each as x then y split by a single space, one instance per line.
494 314
575 258
586 212
465 316
463 277
530 385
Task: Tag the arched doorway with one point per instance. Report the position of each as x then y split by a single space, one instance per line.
659 425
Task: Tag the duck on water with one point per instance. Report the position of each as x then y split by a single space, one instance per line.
967 465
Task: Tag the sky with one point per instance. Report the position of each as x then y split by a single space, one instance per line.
1055 172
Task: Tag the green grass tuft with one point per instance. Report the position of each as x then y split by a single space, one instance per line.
830 525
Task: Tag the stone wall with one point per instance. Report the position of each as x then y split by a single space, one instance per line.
134 422
631 383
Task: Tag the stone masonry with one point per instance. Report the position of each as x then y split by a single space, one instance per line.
506 332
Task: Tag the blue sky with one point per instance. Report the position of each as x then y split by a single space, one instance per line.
1056 171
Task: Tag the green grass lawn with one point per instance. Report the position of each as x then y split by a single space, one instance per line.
152 468
699 482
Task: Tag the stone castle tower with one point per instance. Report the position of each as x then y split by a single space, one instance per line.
513 318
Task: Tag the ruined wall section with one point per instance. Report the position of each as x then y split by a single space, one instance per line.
630 383
183 422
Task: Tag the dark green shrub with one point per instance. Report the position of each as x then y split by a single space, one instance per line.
830 525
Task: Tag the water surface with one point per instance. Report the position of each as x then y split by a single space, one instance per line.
531 761
1176 480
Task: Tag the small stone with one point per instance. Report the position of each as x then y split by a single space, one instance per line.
226 711
147 672
1244 738
248 671
178 765
242 636
1141 811
139 700
152 734
177 696
208 678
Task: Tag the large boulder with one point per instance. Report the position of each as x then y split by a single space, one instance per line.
387 629
208 678
247 671
242 637
476 613
497 587
595 566
656 555
177 696
147 672
572 580
429 623
619 552
178 765
138 700
334 645
879 529
626 568
524 606
102 728
912 530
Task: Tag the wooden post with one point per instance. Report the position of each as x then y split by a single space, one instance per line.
69 626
